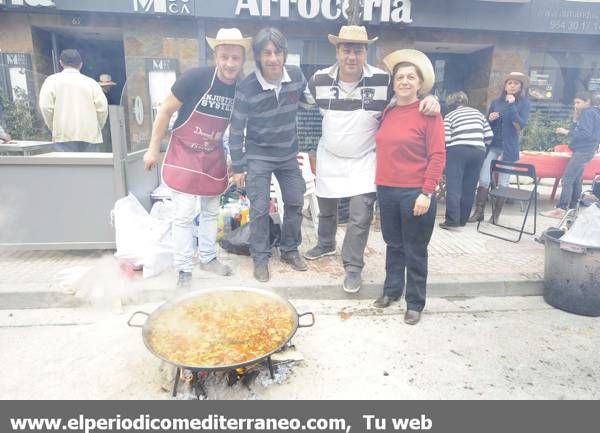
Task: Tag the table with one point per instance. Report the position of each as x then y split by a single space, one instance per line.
25 147
553 165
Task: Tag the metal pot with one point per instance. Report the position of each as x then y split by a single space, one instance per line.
149 324
571 277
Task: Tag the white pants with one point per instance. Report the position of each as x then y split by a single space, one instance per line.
183 229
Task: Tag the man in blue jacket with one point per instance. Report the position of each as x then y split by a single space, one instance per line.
584 139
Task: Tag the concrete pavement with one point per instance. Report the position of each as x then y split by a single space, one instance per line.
461 263
478 348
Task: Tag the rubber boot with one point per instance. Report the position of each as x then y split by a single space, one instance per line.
496 209
480 199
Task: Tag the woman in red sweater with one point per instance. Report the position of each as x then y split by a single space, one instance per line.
410 160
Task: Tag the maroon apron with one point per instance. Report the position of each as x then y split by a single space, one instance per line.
195 161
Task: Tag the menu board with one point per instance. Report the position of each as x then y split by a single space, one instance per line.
541 84
309 129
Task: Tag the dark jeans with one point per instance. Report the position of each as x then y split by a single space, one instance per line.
258 187
406 237
357 232
572 178
463 165
76 146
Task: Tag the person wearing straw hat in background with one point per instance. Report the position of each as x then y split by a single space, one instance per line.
195 162
107 84
351 96
508 115
410 161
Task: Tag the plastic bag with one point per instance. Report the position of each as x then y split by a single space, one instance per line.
586 228
238 241
142 240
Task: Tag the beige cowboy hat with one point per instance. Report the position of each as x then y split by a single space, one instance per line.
417 58
231 36
351 35
106 80
519 76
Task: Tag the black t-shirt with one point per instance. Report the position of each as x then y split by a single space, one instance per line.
193 84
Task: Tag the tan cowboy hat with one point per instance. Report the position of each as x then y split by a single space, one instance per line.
519 76
417 58
106 80
351 35
231 36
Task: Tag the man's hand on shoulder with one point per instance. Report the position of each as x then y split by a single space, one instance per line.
429 105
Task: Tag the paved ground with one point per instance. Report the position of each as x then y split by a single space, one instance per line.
491 348
461 263
64 333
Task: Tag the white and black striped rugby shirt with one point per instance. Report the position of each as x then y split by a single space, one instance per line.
372 93
468 127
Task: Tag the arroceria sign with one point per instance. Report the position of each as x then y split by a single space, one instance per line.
395 11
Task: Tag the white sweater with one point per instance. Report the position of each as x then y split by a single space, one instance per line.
74 107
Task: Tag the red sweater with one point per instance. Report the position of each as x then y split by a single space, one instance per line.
411 152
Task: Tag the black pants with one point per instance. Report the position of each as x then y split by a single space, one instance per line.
258 187
406 237
463 165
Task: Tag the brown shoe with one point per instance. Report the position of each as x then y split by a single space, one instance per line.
412 317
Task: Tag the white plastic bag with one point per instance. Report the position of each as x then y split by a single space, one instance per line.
586 228
142 240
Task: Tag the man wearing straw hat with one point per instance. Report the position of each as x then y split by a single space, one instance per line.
351 96
195 163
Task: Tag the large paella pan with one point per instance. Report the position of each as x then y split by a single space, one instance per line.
220 329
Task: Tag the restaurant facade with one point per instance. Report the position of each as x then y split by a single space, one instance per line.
145 44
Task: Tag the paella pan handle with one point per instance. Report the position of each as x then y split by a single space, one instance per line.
312 320
133 315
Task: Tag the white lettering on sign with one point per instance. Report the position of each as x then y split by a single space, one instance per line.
396 11
33 3
172 7
159 6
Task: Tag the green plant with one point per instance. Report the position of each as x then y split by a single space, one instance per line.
21 119
540 135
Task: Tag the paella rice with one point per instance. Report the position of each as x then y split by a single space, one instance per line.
221 329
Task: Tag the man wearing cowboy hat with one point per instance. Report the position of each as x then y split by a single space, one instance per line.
69 95
351 96
195 163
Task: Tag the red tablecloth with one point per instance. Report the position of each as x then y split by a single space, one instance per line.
553 165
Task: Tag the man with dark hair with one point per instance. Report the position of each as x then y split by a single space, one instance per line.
263 142
73 106
195 165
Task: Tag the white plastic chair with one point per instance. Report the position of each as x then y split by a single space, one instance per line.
310 198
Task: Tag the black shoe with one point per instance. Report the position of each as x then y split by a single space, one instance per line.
261 272
445 226
352 282
184 279
412 317
318 252
385 301
294 260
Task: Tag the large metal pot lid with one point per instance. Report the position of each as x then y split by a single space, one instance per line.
220 328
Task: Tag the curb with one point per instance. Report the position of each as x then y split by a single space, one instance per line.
460 286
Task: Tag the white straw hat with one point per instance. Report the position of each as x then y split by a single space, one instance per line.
351 35
417 58
231 36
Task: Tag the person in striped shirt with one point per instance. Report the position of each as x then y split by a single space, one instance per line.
467 135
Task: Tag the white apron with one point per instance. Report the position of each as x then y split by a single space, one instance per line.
346 153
